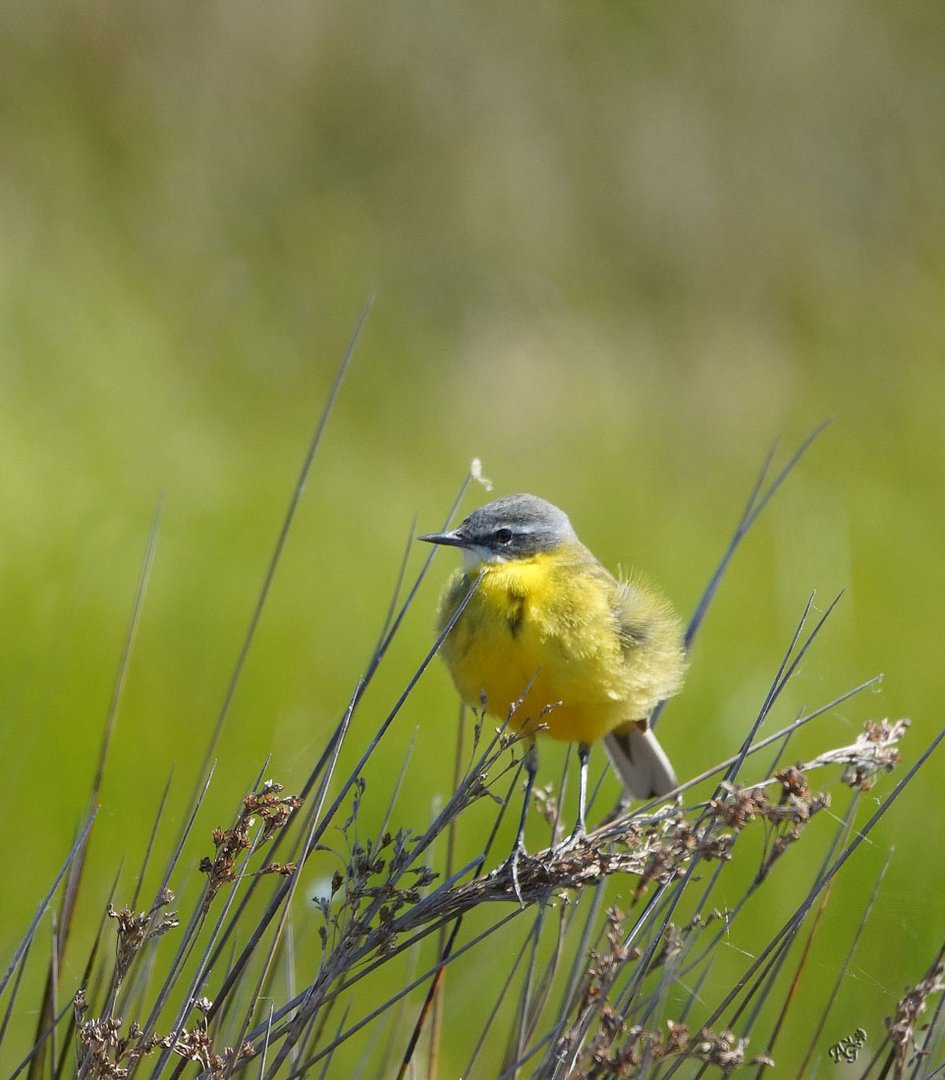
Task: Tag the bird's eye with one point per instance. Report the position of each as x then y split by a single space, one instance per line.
503 536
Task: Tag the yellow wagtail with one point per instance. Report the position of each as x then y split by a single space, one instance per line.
553 641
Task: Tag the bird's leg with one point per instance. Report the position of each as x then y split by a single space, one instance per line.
580 826
530 765
584 756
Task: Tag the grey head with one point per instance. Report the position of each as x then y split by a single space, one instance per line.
515 527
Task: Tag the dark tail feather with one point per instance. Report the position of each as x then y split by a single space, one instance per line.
641 762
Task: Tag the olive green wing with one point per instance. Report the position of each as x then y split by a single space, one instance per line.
651 640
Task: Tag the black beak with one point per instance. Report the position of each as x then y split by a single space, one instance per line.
448 539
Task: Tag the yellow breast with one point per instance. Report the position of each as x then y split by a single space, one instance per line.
547 637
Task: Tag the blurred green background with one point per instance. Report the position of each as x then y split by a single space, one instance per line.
618 250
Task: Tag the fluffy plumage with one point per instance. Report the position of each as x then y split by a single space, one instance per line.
553 636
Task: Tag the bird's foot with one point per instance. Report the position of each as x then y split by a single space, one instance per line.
578 836
517 858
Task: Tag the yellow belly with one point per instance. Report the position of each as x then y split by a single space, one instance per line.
532 702
538 643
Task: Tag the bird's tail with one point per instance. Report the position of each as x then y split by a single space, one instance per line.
640 761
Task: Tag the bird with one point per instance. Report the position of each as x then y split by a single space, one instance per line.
553 642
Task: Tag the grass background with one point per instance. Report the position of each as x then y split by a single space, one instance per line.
617 251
